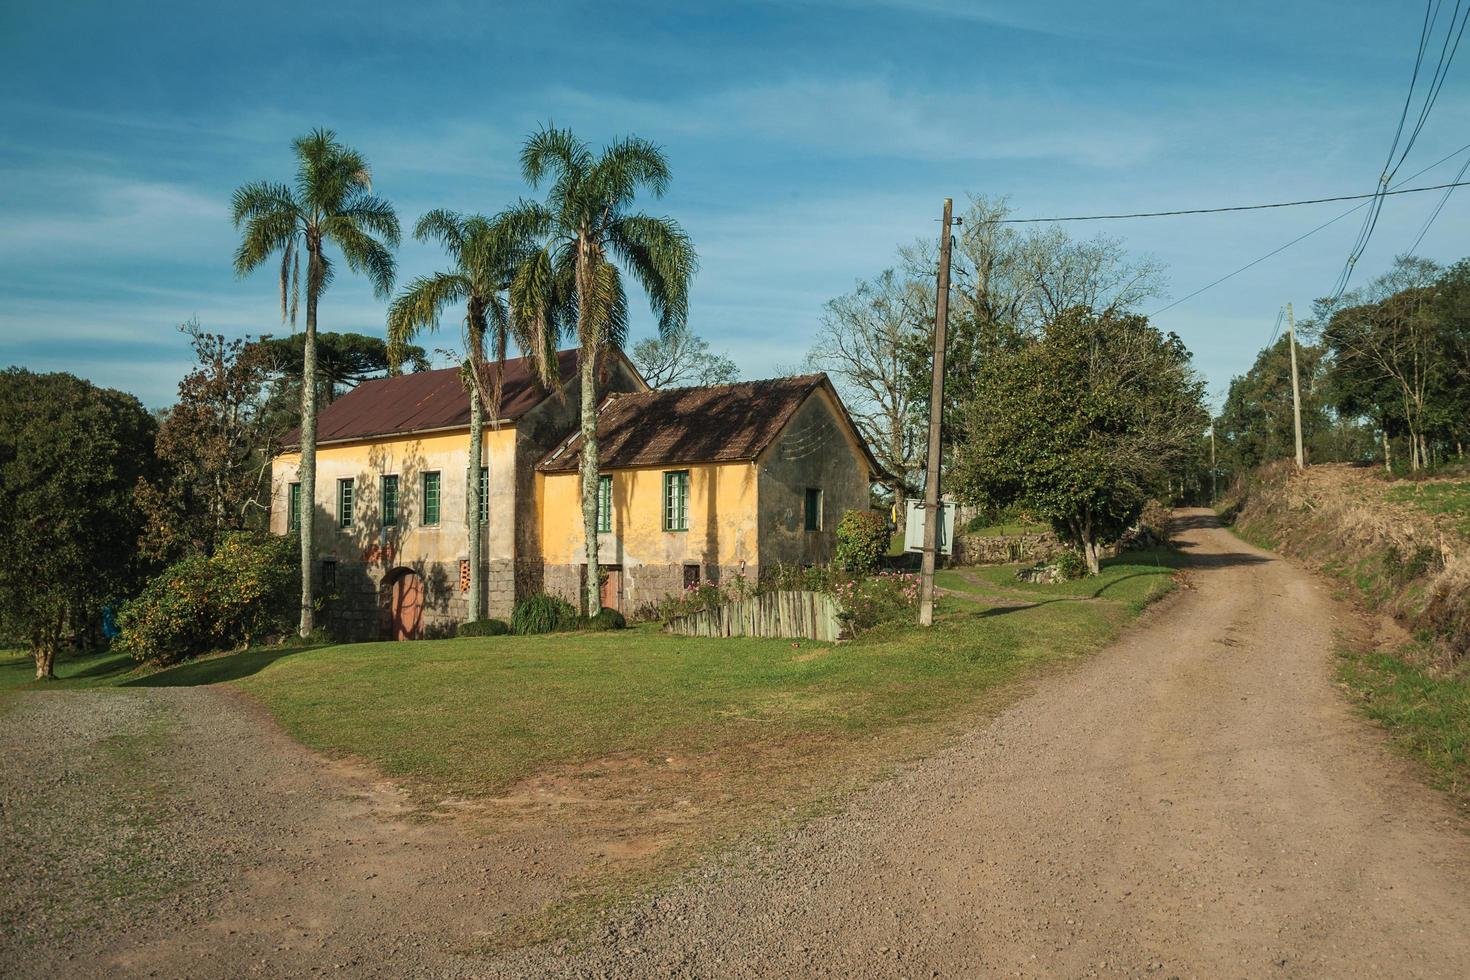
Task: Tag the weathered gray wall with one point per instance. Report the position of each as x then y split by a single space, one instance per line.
812 451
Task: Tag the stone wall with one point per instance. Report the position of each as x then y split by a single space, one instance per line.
1002 549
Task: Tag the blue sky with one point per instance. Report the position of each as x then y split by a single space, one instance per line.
808 138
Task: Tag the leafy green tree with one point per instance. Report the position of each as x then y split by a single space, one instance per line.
589 235
1081 425
331 202
70 456
485 255
214 450
1257 423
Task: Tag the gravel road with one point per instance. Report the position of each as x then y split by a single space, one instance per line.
1197 800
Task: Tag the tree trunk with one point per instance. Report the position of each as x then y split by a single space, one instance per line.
472 496
1092 551
44 650
592 593
1387 454
306 475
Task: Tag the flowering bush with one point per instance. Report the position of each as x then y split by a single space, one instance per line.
228 599
703 596
862 539
887 597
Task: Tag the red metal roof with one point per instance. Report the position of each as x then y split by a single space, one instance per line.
426 400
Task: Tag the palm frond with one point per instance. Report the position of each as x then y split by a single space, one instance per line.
549 149
661 257
372 215
364 254
624 167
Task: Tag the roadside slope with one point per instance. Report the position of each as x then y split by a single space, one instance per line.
1199 800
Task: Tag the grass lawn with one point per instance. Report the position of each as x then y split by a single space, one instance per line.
471 717
997 530
1437 498
1427 712
639 735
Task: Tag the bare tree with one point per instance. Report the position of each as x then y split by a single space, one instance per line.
681 358
862 345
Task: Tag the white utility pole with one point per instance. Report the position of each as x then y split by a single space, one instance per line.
932 513
1296 390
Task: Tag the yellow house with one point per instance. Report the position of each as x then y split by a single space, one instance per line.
698 484
392 526
701 484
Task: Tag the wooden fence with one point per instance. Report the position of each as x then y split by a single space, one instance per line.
795 615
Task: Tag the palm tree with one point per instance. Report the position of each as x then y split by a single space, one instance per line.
589 237
485 255
332 201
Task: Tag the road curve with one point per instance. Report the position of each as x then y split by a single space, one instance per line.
1198 800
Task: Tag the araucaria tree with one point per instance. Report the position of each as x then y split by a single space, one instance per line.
331 202
1081 425
485 256
589 236
70 455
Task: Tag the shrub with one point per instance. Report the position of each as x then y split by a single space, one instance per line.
542 613
483 627
229 599
862 540
1071 565
887 597
606 619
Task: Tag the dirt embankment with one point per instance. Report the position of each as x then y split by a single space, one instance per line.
1400 559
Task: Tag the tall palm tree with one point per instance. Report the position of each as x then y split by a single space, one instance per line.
590 236
332 201
485 255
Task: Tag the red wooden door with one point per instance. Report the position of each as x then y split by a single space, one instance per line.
408 607
612 587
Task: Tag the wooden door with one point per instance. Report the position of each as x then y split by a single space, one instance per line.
408 607
612 587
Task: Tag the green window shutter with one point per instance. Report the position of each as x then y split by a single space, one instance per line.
484 495
390 501
813 509
676 500
431 498
344 502
604 504
293 508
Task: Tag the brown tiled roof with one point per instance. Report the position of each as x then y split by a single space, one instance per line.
719 423
425 400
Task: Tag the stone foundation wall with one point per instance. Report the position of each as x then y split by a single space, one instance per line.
361 610
1001 549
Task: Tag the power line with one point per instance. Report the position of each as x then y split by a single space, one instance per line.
1390 167
1237 207
1281 248
1434 215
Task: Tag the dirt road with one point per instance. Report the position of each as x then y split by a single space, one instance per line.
1198 800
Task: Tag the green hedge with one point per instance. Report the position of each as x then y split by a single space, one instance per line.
483 627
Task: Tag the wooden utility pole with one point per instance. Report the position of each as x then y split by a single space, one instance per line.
932 513
1296 390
